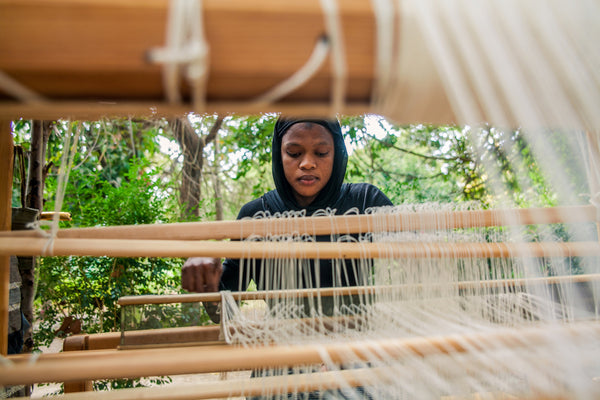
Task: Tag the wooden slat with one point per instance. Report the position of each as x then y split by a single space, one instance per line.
93 110
303 250
299 383
97 50
164 336
92 54
354 290
340 224
107 364
227 389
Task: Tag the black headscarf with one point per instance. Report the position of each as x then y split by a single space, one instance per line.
283 198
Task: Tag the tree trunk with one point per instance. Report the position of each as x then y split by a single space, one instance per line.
192 146
217 182
40 132
35 183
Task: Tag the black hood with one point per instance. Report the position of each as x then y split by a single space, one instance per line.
283 198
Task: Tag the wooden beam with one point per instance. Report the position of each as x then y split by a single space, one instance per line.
95 49
355 290
242 388
93 110
108 364
95 53
278 250
338 225
6 171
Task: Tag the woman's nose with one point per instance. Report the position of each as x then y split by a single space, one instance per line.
307 162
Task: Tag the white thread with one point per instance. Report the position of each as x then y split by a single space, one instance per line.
66 165
34 357
453 78
14 88
338 54
384 49
185 46
595 201
300 77
5 361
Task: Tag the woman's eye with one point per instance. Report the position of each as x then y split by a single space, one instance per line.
324 154
293 155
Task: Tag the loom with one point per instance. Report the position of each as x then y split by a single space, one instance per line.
486 324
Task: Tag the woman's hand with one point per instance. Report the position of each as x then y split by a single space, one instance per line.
201 274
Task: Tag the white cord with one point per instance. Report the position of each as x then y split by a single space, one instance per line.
300 77
66 164
334 32
185 46
12 87
384 50
333 43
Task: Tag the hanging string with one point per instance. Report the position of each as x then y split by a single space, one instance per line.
185 47
385 15
333 27
17 90
66 165
332 43
300 77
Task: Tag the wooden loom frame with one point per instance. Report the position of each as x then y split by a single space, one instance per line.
574 214
226 20
107 364
88 59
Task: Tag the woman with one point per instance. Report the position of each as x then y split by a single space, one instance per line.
309 160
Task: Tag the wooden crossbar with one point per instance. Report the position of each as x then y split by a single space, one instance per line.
352 290
93 54
107 364
338 224
301 250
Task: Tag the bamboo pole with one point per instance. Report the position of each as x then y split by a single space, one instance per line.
6 171
148 337
243 387
277 250
106 364
351 290
298 383
339 224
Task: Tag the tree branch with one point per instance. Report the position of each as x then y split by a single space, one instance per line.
407 151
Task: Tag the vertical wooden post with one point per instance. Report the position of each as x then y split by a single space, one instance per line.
77 343
6 170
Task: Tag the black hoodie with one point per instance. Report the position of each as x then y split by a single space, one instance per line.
336 195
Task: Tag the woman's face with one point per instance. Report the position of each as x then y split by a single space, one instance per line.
307 152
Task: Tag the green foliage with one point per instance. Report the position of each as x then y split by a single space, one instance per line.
446 164
249 141
414 164
130 383
157 316
87 288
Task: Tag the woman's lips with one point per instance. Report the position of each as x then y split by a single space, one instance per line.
307 179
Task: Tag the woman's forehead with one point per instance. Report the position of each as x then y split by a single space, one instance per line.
307 131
